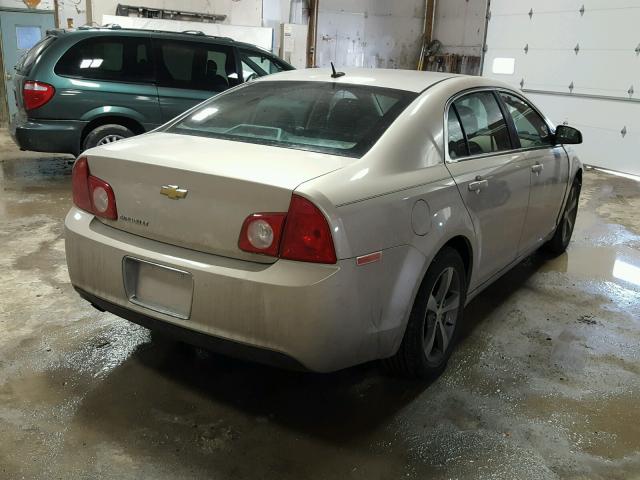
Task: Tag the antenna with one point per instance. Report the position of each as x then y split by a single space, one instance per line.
336 74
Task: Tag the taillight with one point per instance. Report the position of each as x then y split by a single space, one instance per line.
92 193
36 94
261 233
307 236
301 234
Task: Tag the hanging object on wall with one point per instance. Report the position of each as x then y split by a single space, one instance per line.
31 3
623 132
526 49
581 11
530 14
522 84
577 49
631 91
638 49
571 87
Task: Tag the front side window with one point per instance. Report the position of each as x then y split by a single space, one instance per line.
532 130
195 66
482 122
322 117
125 59
253 63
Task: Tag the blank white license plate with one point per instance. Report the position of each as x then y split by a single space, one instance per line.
159 288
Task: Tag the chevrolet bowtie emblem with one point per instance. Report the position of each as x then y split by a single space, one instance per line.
173 192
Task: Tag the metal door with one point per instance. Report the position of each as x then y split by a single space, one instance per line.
19 32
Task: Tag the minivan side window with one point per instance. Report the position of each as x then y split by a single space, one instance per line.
122 59
260 65
482 122
195 66
532 130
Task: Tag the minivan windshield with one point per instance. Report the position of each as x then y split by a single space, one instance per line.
334 118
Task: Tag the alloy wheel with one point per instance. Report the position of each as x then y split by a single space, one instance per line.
443 306
109 139
570 213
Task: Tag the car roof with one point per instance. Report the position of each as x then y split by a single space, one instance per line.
409 80
187 34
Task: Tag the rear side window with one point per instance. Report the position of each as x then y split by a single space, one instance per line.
457 142
27 61
195 66
532 130
321 117
123 59
483 125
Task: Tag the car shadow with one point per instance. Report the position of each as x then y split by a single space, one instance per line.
166 387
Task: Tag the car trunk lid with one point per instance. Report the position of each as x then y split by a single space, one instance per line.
195 192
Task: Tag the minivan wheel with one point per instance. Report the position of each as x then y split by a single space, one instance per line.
105 134
434 320
562 236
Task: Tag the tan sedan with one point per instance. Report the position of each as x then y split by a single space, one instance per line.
319 221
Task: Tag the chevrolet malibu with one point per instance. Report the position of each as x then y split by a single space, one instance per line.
319 220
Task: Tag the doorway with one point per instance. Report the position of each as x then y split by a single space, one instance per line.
19 31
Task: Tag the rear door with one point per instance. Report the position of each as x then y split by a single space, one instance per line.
493 180
20 32
549 169
190 72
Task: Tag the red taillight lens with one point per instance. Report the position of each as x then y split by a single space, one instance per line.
307 236
36 94
91 193
80 184
301 234
261 233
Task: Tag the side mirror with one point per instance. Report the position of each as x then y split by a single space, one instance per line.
568 135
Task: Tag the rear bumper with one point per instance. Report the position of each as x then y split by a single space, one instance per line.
55 136
320 317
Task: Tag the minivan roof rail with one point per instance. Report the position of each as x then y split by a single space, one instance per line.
115 26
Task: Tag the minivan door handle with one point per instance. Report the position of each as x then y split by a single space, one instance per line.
478 185
537 168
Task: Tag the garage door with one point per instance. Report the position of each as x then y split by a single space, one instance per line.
580 62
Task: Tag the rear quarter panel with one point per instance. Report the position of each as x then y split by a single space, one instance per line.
87 99
378 203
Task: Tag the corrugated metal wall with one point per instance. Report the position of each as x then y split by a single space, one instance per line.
370 33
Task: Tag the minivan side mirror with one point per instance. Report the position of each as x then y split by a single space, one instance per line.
567 135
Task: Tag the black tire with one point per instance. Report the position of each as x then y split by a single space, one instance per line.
422 333
106 134
562 236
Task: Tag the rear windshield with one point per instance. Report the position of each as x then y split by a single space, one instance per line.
26 62
321 117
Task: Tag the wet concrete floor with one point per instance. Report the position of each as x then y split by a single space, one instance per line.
545 383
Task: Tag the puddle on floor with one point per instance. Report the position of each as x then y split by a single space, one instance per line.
620 264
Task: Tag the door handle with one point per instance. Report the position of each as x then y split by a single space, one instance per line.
478 185
537 168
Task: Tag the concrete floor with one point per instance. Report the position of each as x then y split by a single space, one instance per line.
544 385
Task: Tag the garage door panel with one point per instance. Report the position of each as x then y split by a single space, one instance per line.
606 65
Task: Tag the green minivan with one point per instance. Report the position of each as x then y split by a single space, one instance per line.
76 89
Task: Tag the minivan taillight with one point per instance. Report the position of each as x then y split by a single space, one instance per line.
92 193
36 94
301 234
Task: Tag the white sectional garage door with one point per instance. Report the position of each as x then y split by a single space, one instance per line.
579 61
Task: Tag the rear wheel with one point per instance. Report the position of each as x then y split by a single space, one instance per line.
562 236
105 134
434 321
